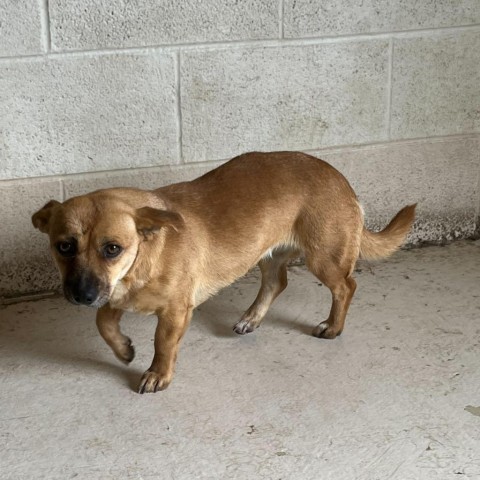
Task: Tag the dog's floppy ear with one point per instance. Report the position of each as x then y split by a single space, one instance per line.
149 220
41 219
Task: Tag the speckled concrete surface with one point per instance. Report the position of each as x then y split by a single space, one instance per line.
395 397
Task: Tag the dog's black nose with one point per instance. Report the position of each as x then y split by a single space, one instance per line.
82 290
86 297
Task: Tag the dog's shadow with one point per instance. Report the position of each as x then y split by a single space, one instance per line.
214 320
53 331
219 314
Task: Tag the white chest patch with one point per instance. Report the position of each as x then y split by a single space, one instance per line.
120 298
119 293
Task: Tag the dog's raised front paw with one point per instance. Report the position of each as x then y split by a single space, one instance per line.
126 351
152 382
324 330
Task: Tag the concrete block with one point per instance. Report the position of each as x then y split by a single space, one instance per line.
94 24
85 113
308 18
291 98
441 176
25 263
145 178
20 27
436 87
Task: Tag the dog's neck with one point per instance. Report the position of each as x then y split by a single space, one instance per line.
143 270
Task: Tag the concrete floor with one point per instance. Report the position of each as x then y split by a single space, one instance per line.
396 397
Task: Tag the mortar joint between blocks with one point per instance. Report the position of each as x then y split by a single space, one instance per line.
178 95
390 87
281 11
45 22
63 190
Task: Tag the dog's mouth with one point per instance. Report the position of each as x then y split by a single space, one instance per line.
100 301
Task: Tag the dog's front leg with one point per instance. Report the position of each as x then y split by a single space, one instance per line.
172 323
108 323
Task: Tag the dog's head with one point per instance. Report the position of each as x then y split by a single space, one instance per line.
95 240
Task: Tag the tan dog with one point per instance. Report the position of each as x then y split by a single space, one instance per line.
166 251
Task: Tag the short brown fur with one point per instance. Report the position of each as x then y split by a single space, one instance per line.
180 244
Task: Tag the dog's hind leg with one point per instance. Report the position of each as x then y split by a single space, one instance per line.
342 286
108 323
274 281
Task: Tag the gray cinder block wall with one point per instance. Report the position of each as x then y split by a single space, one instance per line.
101 93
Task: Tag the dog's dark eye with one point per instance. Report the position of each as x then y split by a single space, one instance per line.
66 249
112 250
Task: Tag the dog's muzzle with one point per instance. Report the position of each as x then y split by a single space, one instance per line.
82 289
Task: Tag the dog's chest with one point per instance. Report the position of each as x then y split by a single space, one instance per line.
119 295
122 298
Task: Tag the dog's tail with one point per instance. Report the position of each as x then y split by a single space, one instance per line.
376 245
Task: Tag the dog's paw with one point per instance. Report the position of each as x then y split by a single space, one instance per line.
324 330
152 382
244 326
126 352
